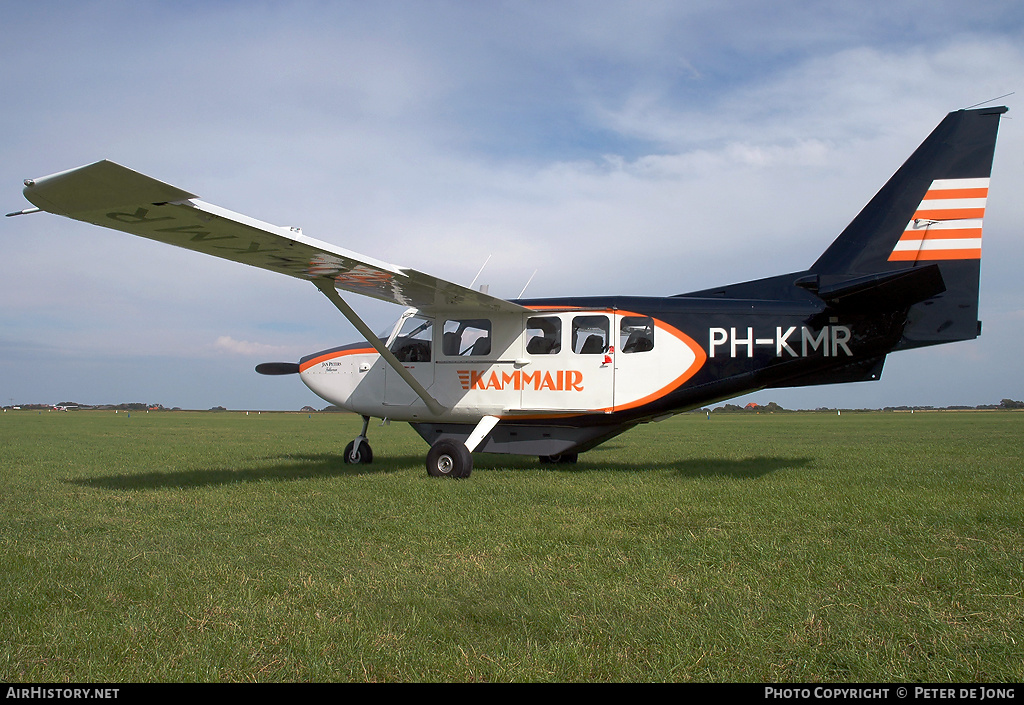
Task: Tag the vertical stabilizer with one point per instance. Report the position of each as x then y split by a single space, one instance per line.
929 213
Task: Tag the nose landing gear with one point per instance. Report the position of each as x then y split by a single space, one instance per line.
358 452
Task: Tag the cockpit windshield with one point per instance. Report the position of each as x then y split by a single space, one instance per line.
412 343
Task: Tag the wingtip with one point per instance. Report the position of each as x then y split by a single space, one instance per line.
23 212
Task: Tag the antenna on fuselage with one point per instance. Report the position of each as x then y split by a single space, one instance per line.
527 284
480 272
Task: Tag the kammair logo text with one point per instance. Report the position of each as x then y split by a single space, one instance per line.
556 381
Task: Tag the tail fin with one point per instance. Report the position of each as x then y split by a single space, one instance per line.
929 214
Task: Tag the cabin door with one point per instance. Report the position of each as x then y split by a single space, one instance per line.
569 362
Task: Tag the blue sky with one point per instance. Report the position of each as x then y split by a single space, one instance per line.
615 148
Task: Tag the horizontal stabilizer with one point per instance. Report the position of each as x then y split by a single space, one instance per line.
887 291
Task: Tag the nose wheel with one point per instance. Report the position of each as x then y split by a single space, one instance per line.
358 452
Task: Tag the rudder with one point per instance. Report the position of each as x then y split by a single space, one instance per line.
928 214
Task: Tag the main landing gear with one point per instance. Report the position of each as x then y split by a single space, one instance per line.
567 458
449 458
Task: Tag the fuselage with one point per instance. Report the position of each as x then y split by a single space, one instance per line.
601 362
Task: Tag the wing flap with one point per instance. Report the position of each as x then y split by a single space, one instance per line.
113 196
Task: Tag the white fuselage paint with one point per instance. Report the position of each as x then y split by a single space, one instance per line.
511 382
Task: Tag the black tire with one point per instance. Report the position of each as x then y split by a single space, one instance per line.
561 458
363 457
448 458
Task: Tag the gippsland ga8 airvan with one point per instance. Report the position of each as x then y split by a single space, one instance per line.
553 378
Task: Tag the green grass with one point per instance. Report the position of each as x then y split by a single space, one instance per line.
206 547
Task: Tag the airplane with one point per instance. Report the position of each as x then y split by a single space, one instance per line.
556 377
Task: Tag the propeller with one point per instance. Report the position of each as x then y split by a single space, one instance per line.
278 368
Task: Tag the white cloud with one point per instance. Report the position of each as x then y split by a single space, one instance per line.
226 343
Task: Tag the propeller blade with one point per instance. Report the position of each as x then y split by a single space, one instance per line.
278 368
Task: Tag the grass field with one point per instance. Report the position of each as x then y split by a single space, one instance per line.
200 547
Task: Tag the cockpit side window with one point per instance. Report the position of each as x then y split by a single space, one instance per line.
413 342
466 337
636 334
543 335
590 335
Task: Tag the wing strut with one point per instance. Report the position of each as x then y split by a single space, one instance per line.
484 427
326 287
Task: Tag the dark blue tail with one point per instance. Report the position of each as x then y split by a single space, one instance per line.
914 248
918 241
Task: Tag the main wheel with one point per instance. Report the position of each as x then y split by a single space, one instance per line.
449 458
561 458
364 456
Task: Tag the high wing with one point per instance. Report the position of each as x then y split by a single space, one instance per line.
113 196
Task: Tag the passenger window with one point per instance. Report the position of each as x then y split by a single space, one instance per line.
590 335
414 340
636 334
543 335
466 337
